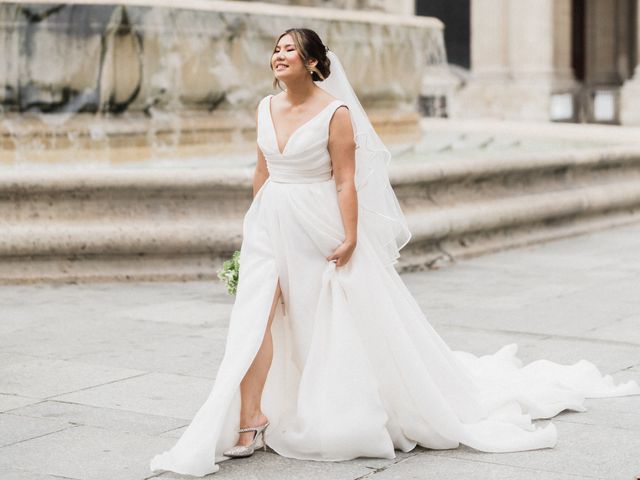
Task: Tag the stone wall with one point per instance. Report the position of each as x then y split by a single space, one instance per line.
110 58
74 72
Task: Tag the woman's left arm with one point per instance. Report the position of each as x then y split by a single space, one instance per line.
342 150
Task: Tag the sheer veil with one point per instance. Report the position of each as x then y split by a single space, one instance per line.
379 212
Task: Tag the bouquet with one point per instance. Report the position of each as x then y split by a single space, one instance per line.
229 273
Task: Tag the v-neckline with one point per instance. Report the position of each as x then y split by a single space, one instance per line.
275 133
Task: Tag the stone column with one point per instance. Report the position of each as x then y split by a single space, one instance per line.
540 54
482 96
630 95
563 74
402 7
489 40
520 56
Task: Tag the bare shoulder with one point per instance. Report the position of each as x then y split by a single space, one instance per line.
328 98
339 112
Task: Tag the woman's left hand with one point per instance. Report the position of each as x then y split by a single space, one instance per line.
342 254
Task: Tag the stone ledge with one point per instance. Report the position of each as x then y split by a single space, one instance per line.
123 249
452 222
203 235
33 182
401 174
97 224
133 238
270 9
524 163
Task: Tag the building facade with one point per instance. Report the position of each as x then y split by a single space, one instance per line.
558 60
561 60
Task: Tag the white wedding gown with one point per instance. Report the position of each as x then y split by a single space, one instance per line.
357 369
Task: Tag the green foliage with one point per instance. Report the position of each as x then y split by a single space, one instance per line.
230 272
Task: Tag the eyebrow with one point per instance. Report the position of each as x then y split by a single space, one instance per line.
287 45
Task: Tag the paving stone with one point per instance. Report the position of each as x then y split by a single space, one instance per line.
625 329
600 415
108 418
42 377
86 453
25 475
10 402
14 428
582 450
426 466
269 466
95 379
175 396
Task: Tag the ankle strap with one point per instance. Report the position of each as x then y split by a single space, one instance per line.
254 429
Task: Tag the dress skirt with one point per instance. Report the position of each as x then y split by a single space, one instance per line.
357 369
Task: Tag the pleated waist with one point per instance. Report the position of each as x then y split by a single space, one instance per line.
299 179
305 167
291 175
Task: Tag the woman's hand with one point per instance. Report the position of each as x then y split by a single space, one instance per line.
342 254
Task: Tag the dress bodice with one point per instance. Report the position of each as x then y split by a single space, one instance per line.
305 157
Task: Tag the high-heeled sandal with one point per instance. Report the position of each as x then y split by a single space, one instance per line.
247 450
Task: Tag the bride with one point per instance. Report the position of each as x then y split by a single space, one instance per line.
328 356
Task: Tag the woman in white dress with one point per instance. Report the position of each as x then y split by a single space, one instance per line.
328 356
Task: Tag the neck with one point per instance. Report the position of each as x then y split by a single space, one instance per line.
298 92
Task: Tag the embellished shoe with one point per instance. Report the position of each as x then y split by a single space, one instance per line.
247 450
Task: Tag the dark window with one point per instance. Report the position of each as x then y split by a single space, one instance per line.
456 16
578 38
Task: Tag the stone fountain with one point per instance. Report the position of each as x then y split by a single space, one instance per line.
107 84
128 137
128 130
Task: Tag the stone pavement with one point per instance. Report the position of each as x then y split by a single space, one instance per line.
97 378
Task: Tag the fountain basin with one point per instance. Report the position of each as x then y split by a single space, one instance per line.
145 79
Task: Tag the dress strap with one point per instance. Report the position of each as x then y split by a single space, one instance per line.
332 109
262 113
337 103
262 104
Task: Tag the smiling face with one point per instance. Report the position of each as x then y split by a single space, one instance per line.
286 62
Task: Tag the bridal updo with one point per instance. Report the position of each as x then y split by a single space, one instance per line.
309 46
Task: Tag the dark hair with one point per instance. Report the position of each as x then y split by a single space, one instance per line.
309 46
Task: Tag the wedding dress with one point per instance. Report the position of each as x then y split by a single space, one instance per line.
357 369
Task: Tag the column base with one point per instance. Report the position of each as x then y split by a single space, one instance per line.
506 101
630 102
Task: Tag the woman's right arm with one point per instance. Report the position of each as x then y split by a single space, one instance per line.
261 174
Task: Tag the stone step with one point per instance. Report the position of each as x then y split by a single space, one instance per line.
442 235
135 238
209 236
180 224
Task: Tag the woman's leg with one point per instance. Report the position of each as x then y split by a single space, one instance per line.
253 382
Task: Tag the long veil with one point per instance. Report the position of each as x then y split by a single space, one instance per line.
379 212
